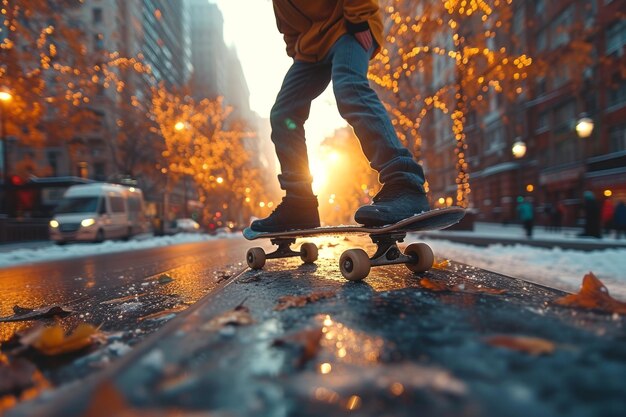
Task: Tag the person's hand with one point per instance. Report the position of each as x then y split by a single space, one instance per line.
365 39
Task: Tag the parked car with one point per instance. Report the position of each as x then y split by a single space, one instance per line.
98 211
184 226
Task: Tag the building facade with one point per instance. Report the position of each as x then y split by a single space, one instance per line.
578 49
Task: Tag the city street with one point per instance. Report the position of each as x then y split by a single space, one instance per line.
147 146
128 294
298 339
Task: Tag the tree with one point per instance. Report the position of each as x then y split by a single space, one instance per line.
199 146
448 56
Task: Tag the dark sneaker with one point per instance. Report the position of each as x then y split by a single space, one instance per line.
291 214
394 202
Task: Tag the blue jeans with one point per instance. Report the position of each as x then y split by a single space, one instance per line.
346 65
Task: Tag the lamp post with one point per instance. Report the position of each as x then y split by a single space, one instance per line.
584 126
5 98
519 149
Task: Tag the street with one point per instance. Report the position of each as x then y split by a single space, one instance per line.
118 290
386 346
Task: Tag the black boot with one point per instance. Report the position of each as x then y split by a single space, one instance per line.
394 202
291 214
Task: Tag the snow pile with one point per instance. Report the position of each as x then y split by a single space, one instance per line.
52 252
563 269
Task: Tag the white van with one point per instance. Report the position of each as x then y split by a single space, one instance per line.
98 211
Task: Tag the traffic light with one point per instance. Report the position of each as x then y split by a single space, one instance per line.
16 180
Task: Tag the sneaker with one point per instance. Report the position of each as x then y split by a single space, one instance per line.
290 214
394 202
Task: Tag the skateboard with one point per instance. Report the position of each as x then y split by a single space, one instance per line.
355 264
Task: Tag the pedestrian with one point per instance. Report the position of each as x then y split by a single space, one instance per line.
548 211
557 216
592 216
607 215
526 214
619 220
333 40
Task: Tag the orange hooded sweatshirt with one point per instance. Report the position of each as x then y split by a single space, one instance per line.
311 27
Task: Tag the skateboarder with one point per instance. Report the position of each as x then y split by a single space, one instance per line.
334 40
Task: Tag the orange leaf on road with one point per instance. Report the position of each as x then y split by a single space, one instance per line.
239 316
592 295
531 345
289 301
462 287
308 341
53 340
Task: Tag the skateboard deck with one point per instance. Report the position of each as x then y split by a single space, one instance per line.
431 220
355 264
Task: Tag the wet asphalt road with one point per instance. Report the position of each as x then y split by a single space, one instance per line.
128 294
389 347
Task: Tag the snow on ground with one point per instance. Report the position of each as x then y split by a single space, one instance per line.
554 267
563 269
50 252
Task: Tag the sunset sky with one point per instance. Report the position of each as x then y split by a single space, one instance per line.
250 26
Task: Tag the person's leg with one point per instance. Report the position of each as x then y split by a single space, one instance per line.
402 177
302 84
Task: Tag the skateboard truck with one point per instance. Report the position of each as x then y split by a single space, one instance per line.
354 264
256 256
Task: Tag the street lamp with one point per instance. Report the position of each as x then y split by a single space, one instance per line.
584 126
5 97
519 149
179 126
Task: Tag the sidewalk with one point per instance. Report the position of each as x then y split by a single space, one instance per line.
485 234
386 346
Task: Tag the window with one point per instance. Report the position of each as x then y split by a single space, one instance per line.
96 15
564 115
616 37
117 204
53 162
617 138
495 139
543 121
560 28
617 95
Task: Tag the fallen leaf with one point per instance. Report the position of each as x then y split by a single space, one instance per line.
223 277
15 376
19 380
53 340
23 313
592 295
531 345
106 401
443 264
164 313
462 287
161 279
123 299
307 341
239 316
289 301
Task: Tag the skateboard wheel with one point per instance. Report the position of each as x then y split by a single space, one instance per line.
308 252
354 264
424 255
255 258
